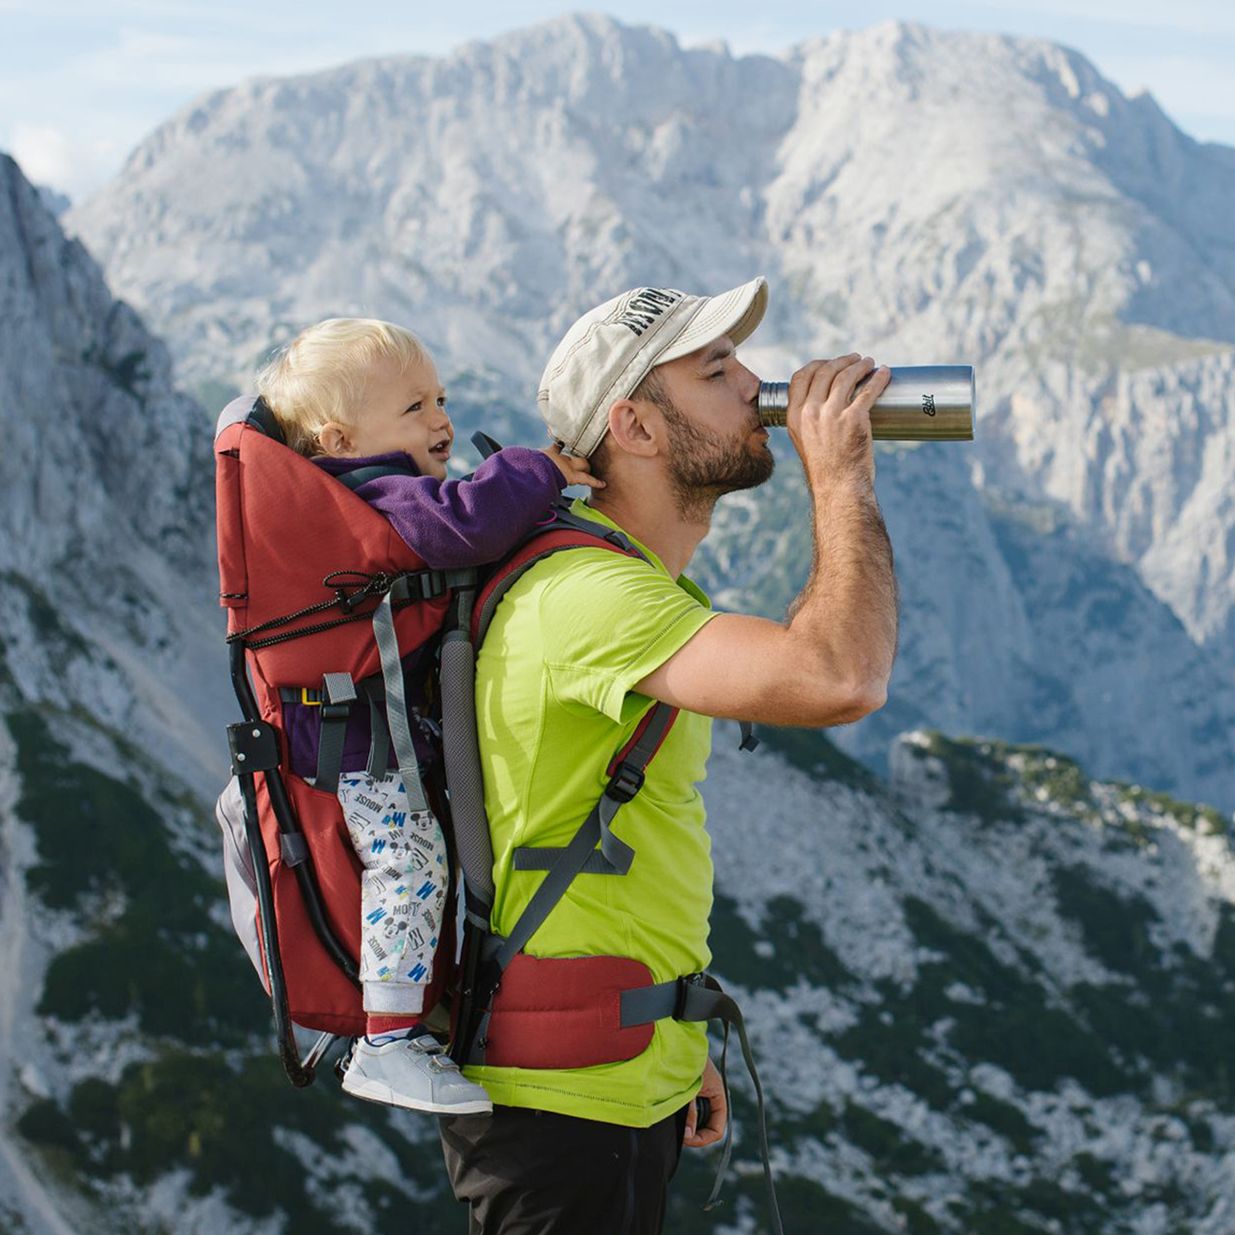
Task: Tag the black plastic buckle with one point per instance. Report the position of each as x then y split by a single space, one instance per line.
685 983
337 709
254 746
417 585
625 782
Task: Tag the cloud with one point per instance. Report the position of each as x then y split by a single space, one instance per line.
71 164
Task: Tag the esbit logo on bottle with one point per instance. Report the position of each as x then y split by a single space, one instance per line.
928 405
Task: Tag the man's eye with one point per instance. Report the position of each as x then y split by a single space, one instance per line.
713 376
415 407
441 401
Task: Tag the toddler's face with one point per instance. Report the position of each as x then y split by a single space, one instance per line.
405 411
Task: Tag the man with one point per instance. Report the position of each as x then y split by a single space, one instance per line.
648 387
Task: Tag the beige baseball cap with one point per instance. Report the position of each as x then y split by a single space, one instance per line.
609 351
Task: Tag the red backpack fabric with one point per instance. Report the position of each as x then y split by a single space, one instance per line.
284 528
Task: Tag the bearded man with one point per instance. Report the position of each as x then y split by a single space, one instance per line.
649 388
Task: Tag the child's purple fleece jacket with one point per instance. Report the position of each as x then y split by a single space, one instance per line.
454 523
450 523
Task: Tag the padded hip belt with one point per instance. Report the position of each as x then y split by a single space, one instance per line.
564 1013
579 1011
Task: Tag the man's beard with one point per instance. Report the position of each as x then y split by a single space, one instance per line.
704 466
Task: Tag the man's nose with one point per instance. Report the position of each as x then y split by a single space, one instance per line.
748 384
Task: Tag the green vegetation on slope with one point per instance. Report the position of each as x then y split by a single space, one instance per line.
204 1103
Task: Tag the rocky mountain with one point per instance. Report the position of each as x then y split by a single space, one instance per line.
991 995
989 991
1010 608
105 578
105 502
1022 214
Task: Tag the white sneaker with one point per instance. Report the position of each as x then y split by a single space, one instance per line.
415 1073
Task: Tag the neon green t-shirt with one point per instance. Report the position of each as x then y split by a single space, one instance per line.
554 702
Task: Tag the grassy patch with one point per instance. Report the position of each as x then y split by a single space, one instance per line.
1002 1118
917 1221
1015 1029
44 617
1177 1010
979 777
786 949
891 1150
1040 1206
214 1120
812 752
1098 1175
156 953
1200 818
890 1041
1062 779
804 1204
1115 928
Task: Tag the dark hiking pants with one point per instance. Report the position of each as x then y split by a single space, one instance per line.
535 1173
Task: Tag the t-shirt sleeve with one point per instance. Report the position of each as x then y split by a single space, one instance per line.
607 621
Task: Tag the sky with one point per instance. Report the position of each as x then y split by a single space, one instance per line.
83 81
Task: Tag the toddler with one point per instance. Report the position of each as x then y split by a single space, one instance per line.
353 393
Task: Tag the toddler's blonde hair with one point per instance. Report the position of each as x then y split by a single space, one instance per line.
322 374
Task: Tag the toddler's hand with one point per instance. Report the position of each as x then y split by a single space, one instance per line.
576 471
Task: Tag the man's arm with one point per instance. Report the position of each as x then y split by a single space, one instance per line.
829 662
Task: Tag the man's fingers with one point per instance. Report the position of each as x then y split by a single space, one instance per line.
807 381
872 388
847 379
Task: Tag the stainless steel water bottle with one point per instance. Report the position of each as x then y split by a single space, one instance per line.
922 403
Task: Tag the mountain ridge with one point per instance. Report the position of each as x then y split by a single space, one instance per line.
991 992
1023 216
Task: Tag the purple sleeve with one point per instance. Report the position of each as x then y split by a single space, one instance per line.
466 522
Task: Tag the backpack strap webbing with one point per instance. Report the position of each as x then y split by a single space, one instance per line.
362 475
626 779
396 703
563 530
339 693
470 620
627 770
699 997
371 690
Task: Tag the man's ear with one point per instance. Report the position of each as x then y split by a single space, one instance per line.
636 427
332 437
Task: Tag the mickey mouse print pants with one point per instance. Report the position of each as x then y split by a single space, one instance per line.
402 890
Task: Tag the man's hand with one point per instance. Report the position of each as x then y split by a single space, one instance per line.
576 471
829 416
714 1129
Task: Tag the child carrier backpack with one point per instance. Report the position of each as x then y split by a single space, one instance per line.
335 627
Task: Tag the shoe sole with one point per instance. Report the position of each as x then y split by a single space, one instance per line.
374 1091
